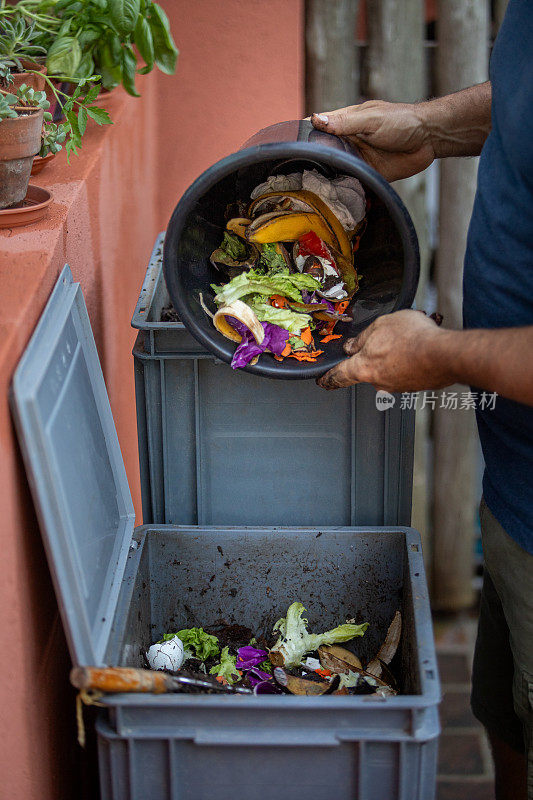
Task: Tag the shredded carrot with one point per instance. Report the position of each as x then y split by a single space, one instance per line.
328 329
304 356
341 306
278 301
221 679
306 335
287 350
330 337
325 673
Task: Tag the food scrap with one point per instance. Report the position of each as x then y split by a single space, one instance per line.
293 661
288 260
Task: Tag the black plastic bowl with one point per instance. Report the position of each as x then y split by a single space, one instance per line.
387 259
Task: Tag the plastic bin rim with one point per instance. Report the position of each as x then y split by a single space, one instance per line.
155 266
166 527
343 162
290 702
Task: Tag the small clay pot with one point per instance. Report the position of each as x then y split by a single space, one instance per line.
40 162
36 82
20 141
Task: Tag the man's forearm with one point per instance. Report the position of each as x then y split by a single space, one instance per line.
496 360
459 123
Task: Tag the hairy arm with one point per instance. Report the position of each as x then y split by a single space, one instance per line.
408 352
459 123
495 360
402 139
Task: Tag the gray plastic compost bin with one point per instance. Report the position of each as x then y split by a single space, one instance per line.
226 447
120 589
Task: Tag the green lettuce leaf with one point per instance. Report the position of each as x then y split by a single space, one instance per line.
226 668
196 642
297 344
251 282
289 320
295 641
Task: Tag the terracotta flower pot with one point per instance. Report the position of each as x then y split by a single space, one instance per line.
40 162
20 141
36 82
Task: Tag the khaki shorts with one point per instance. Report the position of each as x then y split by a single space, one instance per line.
502 679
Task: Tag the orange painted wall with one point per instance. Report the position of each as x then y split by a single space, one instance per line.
239 70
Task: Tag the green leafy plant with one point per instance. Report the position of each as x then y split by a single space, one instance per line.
23 100
18 39
5 74
87 37
52 138
78 108
6 109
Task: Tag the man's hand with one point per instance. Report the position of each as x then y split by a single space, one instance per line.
401 139
394 353
391 137
408 352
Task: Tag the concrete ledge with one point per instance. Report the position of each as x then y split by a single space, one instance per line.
102 221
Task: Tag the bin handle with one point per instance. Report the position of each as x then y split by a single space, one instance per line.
252 737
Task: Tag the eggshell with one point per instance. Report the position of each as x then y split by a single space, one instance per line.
166 655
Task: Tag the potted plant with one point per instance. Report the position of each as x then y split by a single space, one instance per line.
52 140
21 120
87 37
20 55
22 137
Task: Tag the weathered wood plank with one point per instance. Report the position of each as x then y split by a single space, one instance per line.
397 71
463 31
331 64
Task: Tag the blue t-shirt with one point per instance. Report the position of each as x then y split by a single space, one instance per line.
498 276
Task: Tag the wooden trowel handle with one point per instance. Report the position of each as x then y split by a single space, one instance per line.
118 679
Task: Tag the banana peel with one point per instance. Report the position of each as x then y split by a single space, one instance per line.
244 314
318 206
288 226
238 226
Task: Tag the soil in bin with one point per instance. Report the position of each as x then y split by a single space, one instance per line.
232 636
169 314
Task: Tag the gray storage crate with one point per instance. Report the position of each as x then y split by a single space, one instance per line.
185 747
218 446
119 589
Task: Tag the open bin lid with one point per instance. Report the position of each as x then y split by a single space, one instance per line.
75 468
